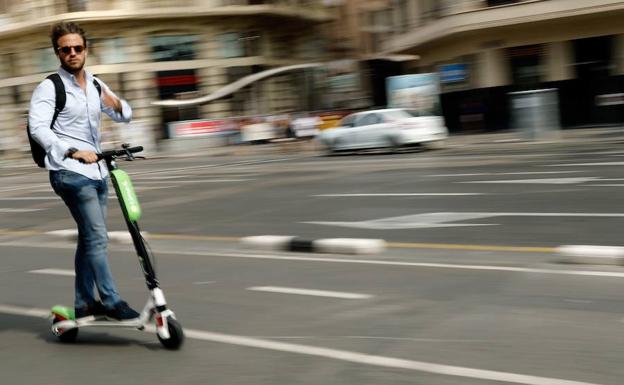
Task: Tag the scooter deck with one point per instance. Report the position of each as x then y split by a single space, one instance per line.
68 320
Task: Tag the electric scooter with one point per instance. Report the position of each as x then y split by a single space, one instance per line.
168 329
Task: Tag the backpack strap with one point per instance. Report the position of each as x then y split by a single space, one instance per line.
61 98
98 86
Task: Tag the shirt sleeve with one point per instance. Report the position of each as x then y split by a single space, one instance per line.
40 114
126 112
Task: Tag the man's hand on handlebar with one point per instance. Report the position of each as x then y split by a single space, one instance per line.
86 157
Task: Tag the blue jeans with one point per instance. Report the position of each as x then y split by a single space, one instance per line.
87 201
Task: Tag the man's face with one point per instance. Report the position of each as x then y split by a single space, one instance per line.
68 47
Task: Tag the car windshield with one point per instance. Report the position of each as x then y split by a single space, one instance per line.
348 121
398 114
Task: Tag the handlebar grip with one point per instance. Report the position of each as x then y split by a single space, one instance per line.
134 149
115 153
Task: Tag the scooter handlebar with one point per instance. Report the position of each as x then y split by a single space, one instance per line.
116 153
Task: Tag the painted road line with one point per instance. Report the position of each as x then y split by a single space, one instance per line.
398 245
215 165
442 219
397 194
539 181
585 164
508 269
592 254
113 236
453 246
28 187
20 233
200 181
29 199
340 355
69 273
6 210
145 188
164 177
610 179
607 185
505 173
316 293
24 311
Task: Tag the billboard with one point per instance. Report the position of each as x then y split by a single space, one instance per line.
419 93
453 73
199 128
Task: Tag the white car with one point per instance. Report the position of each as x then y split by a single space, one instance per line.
388 128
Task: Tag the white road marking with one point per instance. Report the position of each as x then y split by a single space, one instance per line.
396 194
586 164
434 220
145 188
340 355
30 312
29 199
200 181
164 177
5 210
583 301
317 293
69 273
510 269
539 181
608 185
610 179
215 165
27 187
204 282
505 173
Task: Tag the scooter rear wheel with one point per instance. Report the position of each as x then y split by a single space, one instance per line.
176 335
68 335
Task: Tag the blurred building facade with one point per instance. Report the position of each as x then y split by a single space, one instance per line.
484 49
149 50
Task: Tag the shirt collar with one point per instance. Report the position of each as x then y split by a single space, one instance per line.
64 73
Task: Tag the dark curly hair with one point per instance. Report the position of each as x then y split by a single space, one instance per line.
61 29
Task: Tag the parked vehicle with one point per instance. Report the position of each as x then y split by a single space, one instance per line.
393 128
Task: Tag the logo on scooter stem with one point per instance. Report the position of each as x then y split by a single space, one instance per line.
129 200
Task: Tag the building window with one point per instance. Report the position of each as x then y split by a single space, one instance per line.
431 10
239 44
176 47
526 65
76 5
109 51
4 6
404 15
46 60
241 101
494 3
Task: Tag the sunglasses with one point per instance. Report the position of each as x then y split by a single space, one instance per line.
67 49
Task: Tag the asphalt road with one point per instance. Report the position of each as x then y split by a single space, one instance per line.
469 291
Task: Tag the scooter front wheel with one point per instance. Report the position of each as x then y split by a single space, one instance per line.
176 335
64 335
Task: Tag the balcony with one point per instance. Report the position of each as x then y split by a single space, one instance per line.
30 15
498 15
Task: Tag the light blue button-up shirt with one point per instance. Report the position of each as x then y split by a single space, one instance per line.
77 125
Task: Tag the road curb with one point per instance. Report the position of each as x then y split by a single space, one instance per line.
121 237
327 245
591 254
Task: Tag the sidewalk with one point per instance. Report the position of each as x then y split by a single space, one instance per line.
502 139
596 134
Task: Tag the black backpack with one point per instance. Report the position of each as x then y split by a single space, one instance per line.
37 152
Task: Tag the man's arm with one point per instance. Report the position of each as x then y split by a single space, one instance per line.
118 109
40 113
